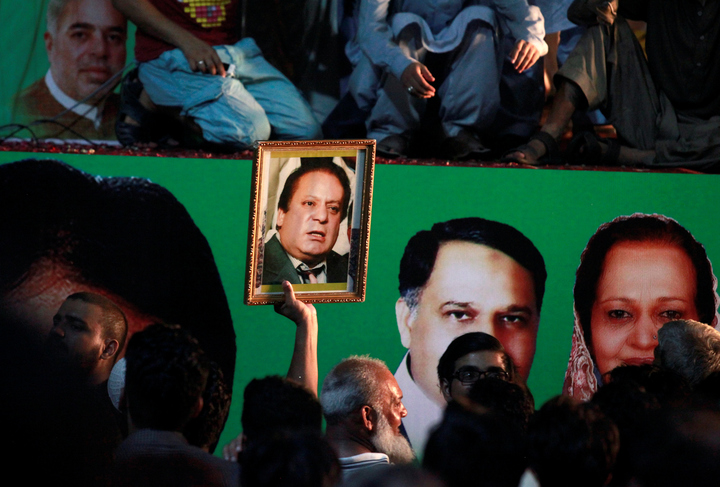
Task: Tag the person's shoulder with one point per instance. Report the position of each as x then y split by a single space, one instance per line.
32 98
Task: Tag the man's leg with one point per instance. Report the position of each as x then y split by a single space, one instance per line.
289 114
470 95
397 113
607 70
225 111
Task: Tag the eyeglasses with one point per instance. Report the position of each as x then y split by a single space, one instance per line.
469 375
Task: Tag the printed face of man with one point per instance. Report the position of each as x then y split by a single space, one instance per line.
643 286
87 47
472 288
309 228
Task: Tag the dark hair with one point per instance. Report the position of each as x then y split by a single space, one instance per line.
165 377
114 324
469 343
467 448
273 404
128 236
572 443
421 251
204 430
640 228
290 459
506 399
315 164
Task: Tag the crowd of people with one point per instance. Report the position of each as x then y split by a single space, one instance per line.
155 416
464 80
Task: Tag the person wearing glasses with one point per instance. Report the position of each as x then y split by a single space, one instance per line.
470 358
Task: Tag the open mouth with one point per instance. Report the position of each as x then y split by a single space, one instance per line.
317 234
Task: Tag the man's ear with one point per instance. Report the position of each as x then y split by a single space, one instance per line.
404 317
369 417
110 348
280 218
445 389
48 42
197 407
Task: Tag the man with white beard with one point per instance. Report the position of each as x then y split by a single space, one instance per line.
362 404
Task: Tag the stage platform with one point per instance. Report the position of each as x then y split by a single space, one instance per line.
107 149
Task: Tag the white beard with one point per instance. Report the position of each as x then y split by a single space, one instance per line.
395 446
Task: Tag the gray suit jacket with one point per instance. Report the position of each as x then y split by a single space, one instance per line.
277 266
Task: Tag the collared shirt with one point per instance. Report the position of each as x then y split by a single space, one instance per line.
321 276
91 112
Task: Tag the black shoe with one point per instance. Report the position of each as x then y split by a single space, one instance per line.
464 146
392 146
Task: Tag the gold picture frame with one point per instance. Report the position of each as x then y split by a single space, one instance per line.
311 233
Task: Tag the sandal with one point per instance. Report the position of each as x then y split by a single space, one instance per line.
585 149
552 150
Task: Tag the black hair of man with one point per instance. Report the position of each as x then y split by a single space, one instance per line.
126 235
628 397
273 404
572 443
204 430
508 400
315 164
469 343
114 324
165 377
471 448
421 251
290 459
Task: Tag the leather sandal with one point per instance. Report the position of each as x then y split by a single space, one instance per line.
552 150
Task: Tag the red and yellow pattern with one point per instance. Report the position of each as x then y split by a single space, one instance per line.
207 13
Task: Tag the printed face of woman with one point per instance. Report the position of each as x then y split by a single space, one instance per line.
643 285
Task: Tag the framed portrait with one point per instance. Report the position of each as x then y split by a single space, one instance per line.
310 220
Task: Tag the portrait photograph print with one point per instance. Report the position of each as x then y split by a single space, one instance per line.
310 220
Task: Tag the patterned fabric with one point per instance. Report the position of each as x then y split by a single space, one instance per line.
213 21
580 381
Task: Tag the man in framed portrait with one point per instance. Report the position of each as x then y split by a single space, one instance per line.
311 206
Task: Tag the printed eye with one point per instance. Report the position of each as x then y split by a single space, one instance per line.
79 35
334 209
459 315
618 314
308 203
514 319
671 314
116 38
